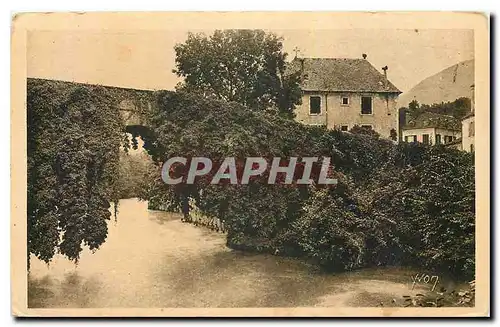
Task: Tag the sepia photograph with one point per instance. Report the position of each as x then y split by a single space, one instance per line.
250 164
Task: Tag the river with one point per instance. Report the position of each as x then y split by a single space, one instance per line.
151 259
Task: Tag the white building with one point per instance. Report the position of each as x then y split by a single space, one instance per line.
432 128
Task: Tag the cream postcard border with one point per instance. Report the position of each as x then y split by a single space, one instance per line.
24 22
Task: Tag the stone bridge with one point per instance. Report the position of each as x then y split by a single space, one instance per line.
133 103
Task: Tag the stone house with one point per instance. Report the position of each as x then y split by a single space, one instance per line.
432 128
341 93
468 128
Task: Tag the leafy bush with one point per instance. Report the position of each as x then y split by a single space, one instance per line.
439 201
320 237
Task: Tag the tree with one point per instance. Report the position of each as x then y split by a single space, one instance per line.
245 66
414 109
458 108
134 171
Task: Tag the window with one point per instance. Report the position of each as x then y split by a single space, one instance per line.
344 128
411 138
367 126
425 138
471 128
438 138
472 148
314 105
366 105
393 134
344 101
448 139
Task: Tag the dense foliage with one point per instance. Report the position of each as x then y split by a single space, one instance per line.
135 169
73 135
245 66
394 204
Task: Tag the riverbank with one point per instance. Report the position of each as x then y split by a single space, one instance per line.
152 259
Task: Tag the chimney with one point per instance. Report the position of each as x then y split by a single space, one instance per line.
385 68
365 55
472 98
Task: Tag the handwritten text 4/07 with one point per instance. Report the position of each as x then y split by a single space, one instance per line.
426 279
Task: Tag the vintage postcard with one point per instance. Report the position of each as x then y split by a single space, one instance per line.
255 164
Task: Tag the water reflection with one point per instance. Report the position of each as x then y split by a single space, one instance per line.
152 259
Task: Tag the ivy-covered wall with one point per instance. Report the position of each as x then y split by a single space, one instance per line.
74 133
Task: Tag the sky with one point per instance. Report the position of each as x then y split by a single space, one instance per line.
145 59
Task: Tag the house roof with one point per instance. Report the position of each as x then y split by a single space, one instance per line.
433 120
470 114
341 75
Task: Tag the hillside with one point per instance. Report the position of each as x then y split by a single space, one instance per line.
447 85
